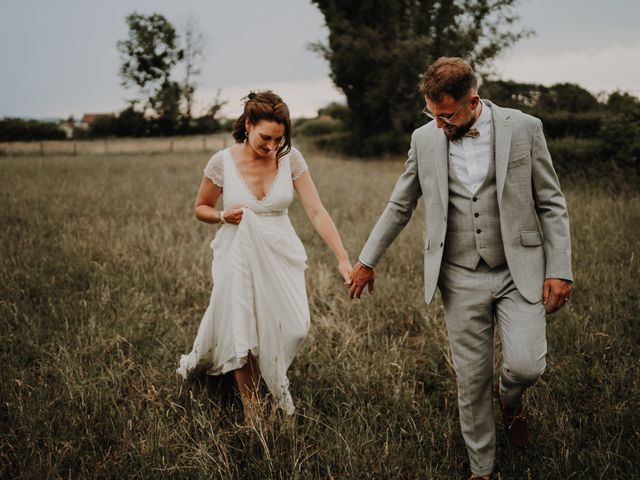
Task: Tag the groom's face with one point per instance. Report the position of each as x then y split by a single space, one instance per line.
455 117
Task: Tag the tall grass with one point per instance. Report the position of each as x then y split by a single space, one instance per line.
105 276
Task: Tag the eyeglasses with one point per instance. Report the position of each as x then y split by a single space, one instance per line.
444 118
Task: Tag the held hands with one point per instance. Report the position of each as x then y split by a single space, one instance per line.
345 269
555 293
232 216
361 277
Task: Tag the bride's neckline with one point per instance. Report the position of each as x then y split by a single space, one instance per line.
246 185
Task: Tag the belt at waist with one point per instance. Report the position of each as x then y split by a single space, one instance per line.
272 213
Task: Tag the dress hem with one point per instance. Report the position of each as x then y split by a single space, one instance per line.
189 365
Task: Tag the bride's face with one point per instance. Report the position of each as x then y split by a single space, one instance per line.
265 137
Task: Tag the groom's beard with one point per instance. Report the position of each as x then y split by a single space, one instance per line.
456 132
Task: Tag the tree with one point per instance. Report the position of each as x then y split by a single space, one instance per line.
132 123
507 93
209 122
148 55
569 97
620 131
166 105
194 43
377 49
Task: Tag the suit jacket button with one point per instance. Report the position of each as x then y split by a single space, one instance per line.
441 244
476 214
475 199
478 231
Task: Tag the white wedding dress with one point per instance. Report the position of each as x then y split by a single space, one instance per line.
258 303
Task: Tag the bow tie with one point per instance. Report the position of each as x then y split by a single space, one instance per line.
473 133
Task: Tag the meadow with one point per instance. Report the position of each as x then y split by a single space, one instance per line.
105 274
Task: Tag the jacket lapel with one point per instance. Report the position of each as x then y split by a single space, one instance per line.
440 155
502 129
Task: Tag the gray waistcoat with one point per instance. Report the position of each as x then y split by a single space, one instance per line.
473 228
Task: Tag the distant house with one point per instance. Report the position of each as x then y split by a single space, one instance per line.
68 128
89 118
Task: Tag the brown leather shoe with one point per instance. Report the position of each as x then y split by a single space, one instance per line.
515 423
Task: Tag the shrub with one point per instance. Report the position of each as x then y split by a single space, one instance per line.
571 153
381 144
103 126
332 142
17 129
338 111
131 123
620 133
568 124
320 126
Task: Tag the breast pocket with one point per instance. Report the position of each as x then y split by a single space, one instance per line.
518 162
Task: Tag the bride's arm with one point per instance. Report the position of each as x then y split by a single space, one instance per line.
322 222
205 207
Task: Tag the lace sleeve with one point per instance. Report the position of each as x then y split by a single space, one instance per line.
298 164
215 169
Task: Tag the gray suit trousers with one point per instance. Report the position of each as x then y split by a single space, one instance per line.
475 300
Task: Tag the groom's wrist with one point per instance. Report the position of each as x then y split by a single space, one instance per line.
364 264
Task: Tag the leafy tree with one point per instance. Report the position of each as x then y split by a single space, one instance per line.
377 49
131 123
194 42
507 93
620 130
148 56
166 104
567 96
208 122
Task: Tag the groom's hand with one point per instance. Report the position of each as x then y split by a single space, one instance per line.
555 293
361 276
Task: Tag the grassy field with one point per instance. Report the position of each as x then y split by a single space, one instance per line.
120 146
104 276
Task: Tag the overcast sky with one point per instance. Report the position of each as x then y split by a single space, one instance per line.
60 58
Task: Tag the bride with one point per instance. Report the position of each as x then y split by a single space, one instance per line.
258 313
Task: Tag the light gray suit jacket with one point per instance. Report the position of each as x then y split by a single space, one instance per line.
533 212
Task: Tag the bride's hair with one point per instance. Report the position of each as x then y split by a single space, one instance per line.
264 105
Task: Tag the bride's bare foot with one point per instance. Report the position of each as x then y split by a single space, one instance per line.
248 381
250 408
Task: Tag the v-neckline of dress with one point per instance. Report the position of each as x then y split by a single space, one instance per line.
246 185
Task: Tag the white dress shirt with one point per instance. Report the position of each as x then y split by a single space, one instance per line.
471 156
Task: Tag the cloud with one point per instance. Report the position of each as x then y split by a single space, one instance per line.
614 67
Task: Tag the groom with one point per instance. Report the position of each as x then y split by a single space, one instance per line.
497 245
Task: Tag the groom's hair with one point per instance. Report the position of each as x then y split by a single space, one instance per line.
447 76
